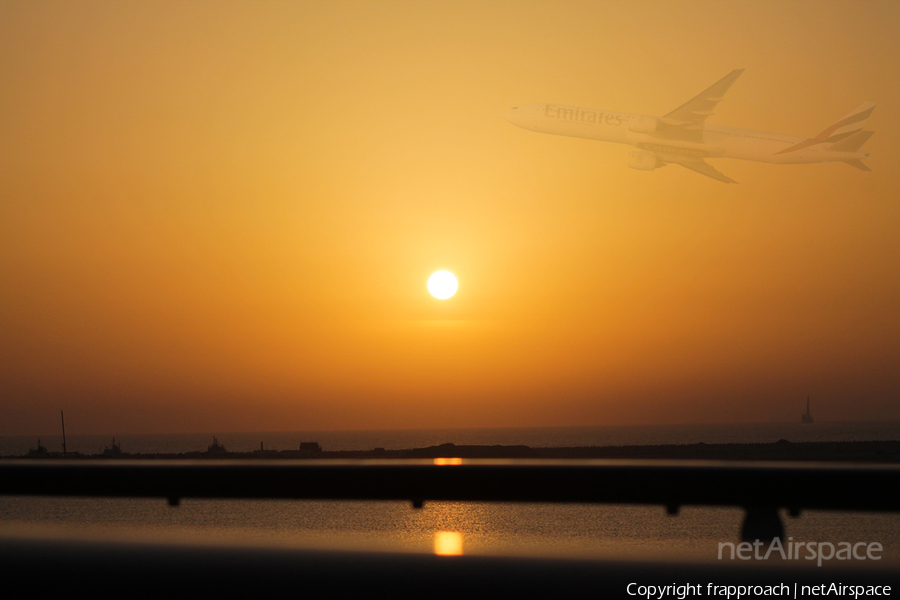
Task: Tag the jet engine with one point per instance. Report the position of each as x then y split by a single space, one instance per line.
643 124
644 160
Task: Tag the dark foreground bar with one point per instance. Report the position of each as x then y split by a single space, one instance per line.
46 566
669 483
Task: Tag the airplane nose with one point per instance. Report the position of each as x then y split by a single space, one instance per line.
512 114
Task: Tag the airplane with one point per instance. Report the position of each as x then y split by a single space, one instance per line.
683 137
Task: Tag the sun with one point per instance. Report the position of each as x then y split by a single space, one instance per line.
442 285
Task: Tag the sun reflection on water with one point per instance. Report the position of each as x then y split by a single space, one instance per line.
448 543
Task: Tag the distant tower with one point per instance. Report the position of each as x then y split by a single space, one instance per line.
807 416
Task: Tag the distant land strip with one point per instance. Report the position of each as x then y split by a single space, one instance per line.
871 451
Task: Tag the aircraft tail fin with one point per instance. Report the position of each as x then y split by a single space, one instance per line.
846 127
855 162
852 143
849 125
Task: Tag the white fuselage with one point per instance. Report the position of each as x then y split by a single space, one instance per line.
636 130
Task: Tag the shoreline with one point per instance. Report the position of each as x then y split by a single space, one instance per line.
782 450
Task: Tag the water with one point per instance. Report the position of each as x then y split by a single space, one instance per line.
482 527
568 530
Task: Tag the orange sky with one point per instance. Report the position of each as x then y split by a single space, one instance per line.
222 216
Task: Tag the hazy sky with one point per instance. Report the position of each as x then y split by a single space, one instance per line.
222 216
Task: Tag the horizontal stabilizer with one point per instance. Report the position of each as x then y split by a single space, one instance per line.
852 143
855 162
699 166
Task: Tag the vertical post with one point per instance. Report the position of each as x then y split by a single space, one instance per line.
761 523
62 417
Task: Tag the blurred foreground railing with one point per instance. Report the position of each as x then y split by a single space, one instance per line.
134 568
760 488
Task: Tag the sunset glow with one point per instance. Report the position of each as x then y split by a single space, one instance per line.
222 217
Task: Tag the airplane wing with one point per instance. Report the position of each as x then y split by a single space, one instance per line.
686 122
698 165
